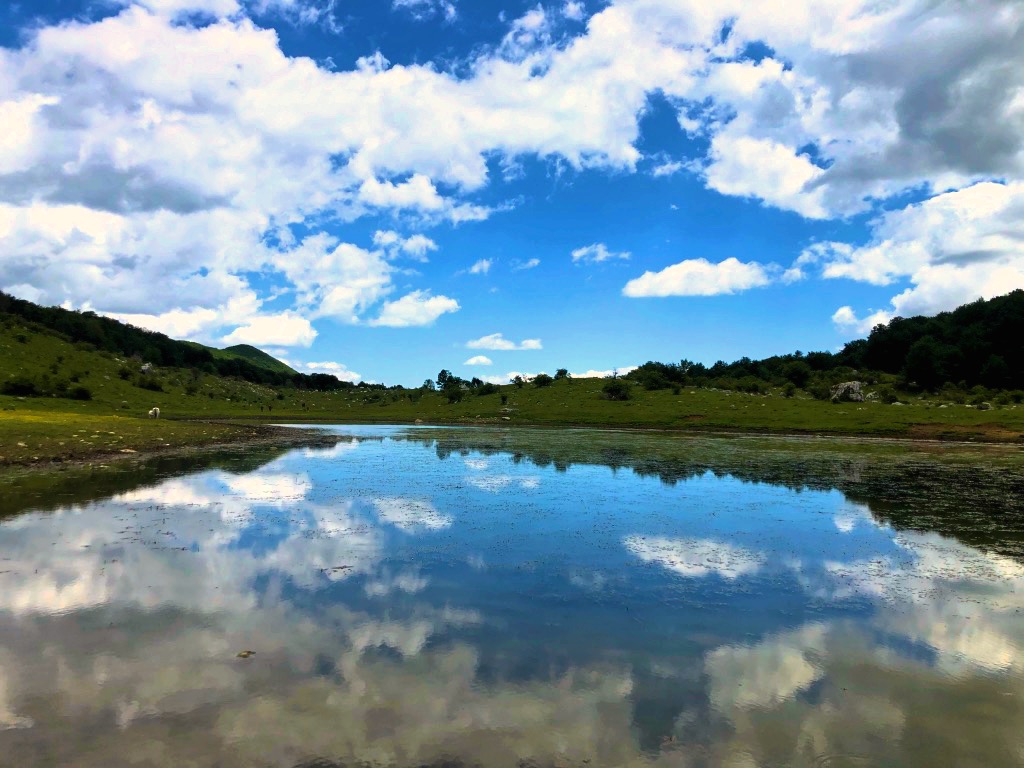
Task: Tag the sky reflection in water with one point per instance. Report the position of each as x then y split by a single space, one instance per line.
414 596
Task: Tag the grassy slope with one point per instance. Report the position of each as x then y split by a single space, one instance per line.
44 423
248 353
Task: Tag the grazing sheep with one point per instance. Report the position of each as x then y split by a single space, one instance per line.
154 413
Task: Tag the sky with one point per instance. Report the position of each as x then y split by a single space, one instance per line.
383 188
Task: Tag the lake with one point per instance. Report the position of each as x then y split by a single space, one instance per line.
443 596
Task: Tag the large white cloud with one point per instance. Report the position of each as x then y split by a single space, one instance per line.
143 151
953 248
699 277
415 308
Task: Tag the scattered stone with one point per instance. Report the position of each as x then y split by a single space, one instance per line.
848 392
984 406
246 654
899 403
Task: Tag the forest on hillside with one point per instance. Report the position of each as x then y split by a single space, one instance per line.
980 344
107 334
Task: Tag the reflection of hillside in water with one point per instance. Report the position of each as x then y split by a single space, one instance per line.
381 639
80 485
963 492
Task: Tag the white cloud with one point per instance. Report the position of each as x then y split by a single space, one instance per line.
766 170
574 10
479 360
425 9
498 342
481 267
529 264
699 277
416 246
596 253
413 309
953 248
127 188
668 168
284 329
604 374
335 369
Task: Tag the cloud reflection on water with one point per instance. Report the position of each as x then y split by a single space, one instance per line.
382 639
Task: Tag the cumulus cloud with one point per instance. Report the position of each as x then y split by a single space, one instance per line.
284 329
481 267
528 264
498 342
953 248
479 360
117 181
596 253
699 277
415 308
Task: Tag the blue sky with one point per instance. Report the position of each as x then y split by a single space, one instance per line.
378 189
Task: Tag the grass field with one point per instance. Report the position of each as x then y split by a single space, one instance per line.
114 418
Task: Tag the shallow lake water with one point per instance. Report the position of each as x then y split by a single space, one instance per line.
418 596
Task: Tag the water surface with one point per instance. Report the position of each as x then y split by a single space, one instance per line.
415 597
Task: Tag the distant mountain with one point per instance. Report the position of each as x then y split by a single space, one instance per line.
109 335
250 354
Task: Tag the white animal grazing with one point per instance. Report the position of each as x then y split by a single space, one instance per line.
154 413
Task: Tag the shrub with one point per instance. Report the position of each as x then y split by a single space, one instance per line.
789 390
454 394
542 380
487 389
887 395
151 384
20 387
124 372
78 392
21 338
504 399
617 389
561 373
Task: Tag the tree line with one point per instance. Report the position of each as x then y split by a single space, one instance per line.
980 344
104 333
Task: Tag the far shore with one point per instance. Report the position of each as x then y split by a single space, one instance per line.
36 445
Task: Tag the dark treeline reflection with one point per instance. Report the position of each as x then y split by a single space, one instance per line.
975 495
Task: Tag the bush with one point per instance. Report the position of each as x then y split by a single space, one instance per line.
21 338
561 373
20 387
124 372
78 392
789 390
487 389
151 384
617 389
454 394
887 395
542 380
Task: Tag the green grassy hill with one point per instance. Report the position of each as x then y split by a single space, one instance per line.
248 353
64 399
